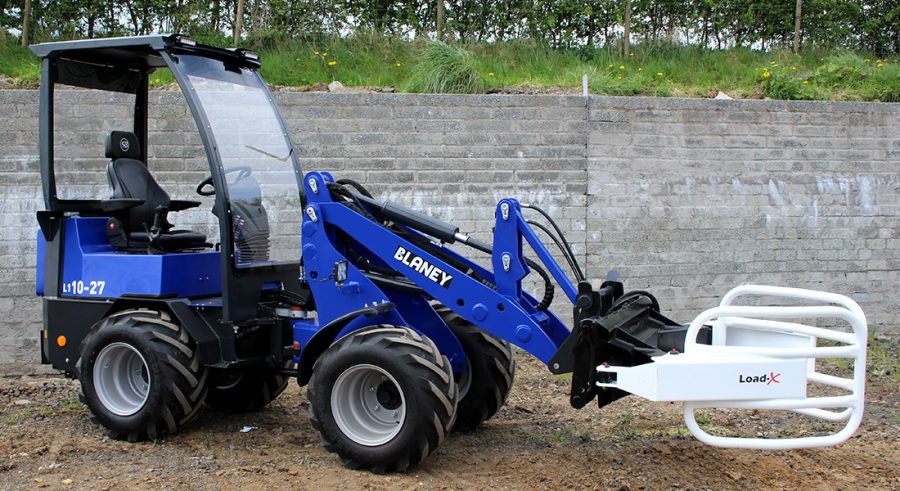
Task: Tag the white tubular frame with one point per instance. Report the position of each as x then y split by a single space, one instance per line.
769 319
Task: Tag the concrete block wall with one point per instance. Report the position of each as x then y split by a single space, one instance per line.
686 198
690 197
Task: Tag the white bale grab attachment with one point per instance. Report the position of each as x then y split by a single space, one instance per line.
760 358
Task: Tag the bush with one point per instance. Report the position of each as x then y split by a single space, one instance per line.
445 69
783 84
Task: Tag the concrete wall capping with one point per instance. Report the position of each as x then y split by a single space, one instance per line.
685 197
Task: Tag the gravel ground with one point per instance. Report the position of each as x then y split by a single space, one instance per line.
536 442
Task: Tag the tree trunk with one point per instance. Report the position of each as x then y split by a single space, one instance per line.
26 19
627 35
214 14
255 19
797 16
439 24
704 38
238 21
146 21
590 33
91 19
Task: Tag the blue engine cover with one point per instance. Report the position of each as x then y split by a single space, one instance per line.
92 268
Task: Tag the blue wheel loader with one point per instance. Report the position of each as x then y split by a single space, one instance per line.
386 314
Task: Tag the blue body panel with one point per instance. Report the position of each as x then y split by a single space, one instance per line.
92 268
39 275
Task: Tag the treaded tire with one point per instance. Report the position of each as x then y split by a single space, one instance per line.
420 372
176 381
245 390
493 370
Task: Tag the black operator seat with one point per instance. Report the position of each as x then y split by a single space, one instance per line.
145 225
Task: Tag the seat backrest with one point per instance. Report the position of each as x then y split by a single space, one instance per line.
251 222
129 178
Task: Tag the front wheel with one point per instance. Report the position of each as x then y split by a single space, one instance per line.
486 384
382 398
140 375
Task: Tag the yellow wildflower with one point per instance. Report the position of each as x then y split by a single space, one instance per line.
619 77
631 54
621 67
640 69
398 64
609 66
805 82
325 54
315 53
332 63
659 74
490 74
880 65
867 60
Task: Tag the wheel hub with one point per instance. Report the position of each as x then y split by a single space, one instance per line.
388 395
368 405
121 379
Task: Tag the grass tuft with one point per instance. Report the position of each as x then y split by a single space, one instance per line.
19 63
445 69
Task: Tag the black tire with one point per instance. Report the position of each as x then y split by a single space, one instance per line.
247 389
421 398
492 369
174 383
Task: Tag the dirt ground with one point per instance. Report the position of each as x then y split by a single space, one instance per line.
537 441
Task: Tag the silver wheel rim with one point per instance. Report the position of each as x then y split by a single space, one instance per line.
465 380
121 379
368 405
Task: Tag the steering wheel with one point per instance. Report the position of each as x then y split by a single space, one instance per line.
242 170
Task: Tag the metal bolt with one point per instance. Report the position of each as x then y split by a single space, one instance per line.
372 389
556 366
394 414
313 186
311 213
504 211
376 408
506 260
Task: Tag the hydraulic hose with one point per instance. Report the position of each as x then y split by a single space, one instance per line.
549 289
558 244
579 275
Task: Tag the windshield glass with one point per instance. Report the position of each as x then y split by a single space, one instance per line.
257 159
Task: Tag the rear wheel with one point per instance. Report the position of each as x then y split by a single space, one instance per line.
245 389
140 375
486 383
382 398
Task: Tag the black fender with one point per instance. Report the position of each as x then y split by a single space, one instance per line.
215 342
325 337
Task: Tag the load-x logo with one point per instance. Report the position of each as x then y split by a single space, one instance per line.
767 378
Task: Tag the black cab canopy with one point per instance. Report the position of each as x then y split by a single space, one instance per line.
116 64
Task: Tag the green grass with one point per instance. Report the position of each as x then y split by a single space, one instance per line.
19 63
444 69
653 69
883 360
